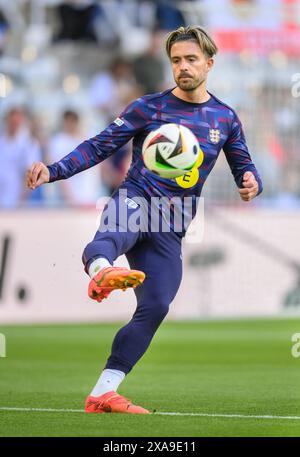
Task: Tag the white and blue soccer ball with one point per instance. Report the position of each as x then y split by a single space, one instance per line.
171 150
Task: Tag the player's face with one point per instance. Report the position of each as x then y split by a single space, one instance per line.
190 66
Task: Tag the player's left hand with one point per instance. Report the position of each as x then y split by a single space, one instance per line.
250 187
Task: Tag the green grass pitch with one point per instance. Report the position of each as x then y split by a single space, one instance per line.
215 367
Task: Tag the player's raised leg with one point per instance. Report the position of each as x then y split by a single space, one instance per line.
114 237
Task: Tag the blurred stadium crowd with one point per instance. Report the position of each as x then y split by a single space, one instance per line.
68 68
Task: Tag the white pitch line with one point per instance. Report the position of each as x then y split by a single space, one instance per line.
157 413
42 410
243 416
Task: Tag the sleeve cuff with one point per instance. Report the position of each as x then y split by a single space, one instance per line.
52 173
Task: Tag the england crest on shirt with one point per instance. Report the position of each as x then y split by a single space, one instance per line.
214 135
118 122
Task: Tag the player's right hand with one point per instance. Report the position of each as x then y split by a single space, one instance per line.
37 175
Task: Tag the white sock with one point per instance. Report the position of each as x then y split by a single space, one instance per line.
97 265
109 380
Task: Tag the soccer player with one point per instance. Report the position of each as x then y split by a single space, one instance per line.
154 256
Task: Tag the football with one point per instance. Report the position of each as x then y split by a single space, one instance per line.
171 150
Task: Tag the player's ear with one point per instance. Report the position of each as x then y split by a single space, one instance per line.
209 63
